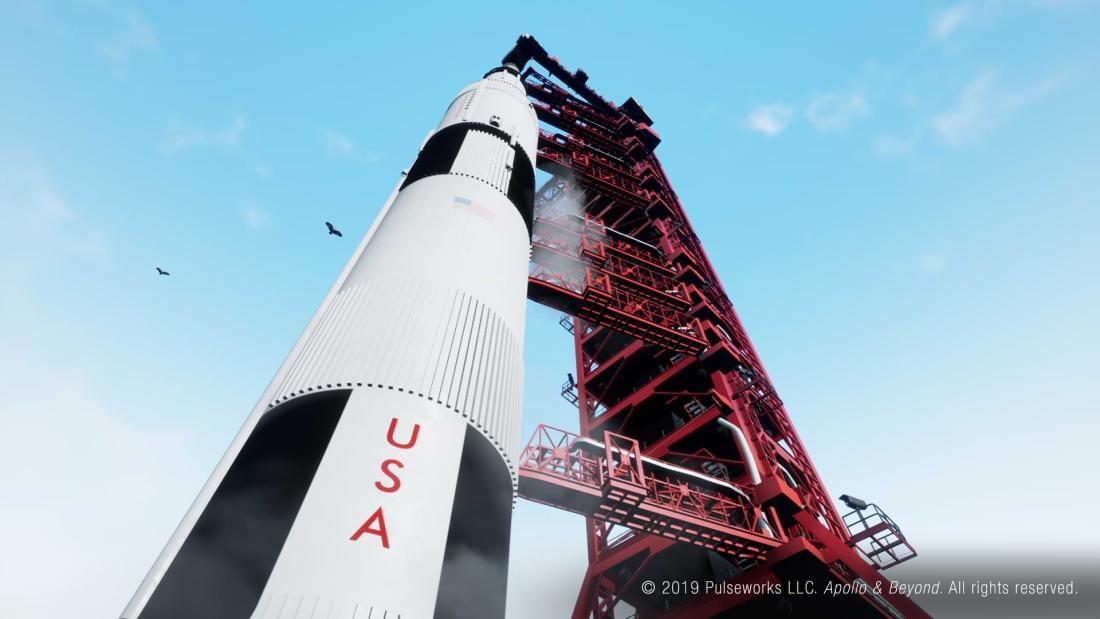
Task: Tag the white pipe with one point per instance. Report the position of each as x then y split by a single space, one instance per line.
743 447
592 443
761 522
787 475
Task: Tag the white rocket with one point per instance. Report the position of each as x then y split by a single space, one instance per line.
376 476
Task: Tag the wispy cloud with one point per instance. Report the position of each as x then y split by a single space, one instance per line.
41 235
830 112
770 119
933 261
137 36
833 112
984 105
179 136
950 20
35 217
29 190
63 421
50 246
340 145
893 145
253 216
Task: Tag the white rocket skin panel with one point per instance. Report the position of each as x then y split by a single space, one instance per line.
434 304
486 157
481 247
448 325
320 567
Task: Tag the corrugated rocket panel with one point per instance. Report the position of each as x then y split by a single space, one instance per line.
485 157
470 362
507 82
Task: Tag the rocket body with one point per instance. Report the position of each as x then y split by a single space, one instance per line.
376 476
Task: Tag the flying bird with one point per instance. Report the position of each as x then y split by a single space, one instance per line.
161 271
332 230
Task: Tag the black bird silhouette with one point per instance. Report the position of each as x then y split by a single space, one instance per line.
332 230
161 271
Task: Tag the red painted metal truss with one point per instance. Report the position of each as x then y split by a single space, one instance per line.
686 465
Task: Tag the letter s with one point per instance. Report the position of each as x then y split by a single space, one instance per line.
386 465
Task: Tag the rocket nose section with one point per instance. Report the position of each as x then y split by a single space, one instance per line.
525 49
498 100
504 68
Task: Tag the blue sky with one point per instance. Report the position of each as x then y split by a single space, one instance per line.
902 200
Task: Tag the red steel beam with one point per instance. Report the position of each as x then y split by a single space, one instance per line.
647 276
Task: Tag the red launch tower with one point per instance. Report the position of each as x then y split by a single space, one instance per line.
687 466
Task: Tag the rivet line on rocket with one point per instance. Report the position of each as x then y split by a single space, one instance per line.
475 423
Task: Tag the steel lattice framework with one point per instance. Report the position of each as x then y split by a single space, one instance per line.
687 465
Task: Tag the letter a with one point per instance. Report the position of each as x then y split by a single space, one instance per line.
380 531
408 445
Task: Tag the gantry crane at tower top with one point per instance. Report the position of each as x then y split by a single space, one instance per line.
686 466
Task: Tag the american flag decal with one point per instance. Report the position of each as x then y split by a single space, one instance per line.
474 208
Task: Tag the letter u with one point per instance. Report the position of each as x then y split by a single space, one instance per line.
393 441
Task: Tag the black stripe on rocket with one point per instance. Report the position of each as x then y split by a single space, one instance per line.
474 580
225 562
439 154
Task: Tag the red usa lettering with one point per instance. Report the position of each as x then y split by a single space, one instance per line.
376 524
